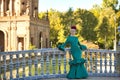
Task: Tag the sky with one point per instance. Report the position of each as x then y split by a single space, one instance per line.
64 5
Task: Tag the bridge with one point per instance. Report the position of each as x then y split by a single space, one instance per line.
52 64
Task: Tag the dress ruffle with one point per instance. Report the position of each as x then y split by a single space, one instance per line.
78 61
77 69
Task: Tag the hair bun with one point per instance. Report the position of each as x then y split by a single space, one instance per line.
73 27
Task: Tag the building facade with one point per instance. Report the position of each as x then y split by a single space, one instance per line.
20 26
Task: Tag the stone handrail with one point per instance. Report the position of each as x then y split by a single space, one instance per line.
51 62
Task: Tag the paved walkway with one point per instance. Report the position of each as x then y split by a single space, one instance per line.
89 78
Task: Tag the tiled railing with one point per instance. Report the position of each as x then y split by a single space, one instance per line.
49 63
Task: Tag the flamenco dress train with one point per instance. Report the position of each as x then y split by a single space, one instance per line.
77 68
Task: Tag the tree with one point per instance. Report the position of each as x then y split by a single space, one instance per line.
67 20
56 28
61 37
88 22
110 3
106 27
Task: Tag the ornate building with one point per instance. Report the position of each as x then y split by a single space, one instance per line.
20 26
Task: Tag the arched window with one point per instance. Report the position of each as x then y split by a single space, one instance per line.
1 41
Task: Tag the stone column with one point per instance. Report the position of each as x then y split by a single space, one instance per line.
30 7
25 42
2 8
9 36
27 37
17 9
10 7
19 46
13 36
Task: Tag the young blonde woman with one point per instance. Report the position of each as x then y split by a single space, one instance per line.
77 68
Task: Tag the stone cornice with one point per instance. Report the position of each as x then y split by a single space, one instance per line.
32 20
15 18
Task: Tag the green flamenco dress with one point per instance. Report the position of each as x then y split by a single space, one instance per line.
77 68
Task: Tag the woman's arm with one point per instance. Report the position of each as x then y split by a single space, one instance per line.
82 47
62 47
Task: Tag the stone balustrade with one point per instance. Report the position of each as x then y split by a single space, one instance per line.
51 63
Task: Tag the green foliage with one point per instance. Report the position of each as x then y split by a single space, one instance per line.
32 47
56 28
118 18
61 37
106 27
88 23
67 20
43 15
110 3
97 25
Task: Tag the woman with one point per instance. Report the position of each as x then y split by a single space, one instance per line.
77 68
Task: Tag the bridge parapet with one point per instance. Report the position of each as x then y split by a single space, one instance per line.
51 62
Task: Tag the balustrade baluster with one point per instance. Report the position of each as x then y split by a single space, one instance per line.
30 64
70 57
108 56
86 57
47 64
36 63
101 62
17 66
65 63
115 62
96 61
59 63
105 62
53 63
91 62
42 63
23 64
4 67
11 66
110 62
